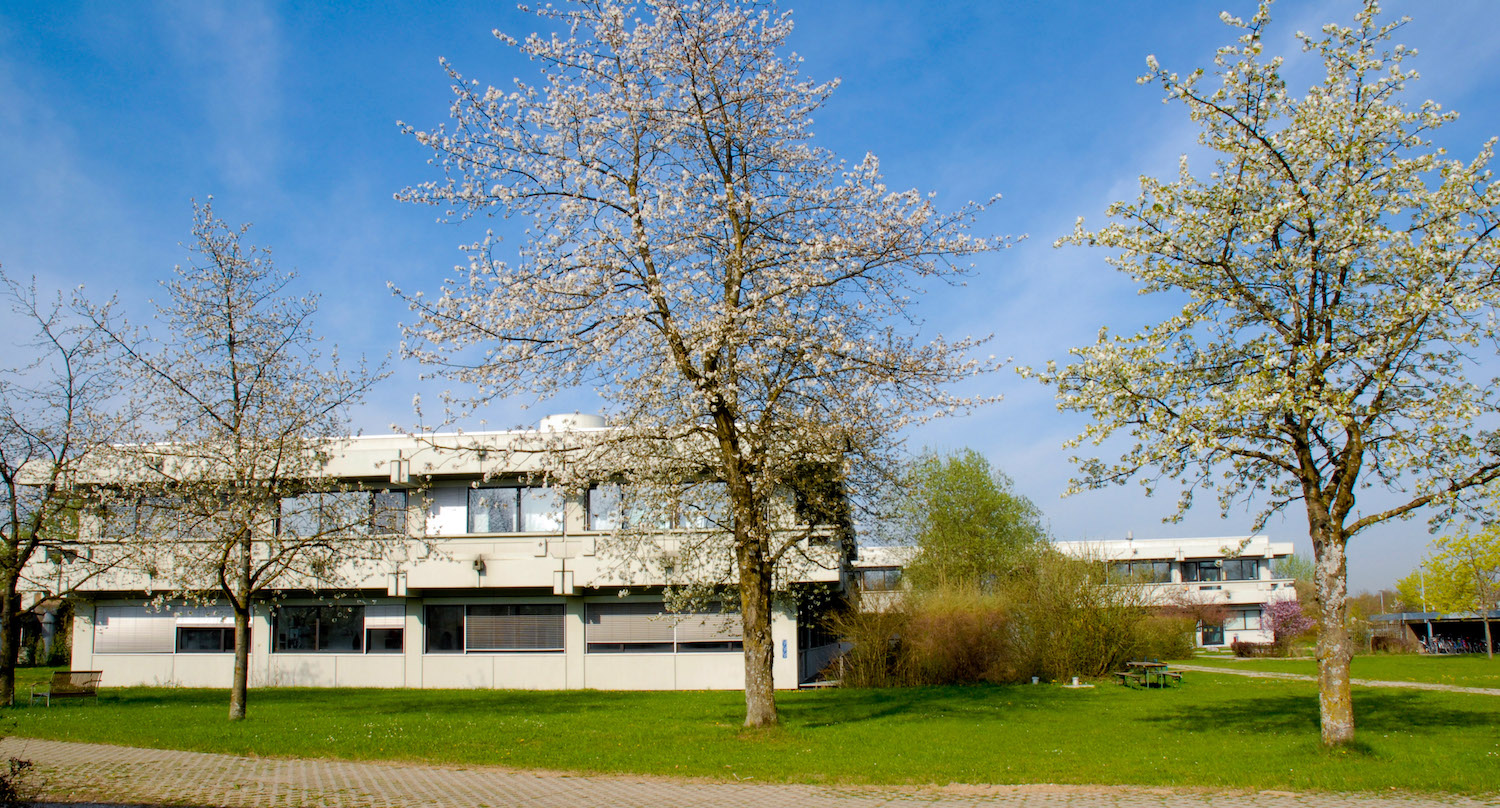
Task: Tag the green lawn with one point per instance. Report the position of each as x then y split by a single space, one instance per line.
1470 670
1214 731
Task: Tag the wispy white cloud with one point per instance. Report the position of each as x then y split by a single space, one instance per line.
234 53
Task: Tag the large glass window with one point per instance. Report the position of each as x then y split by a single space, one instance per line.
320 628
605 507
327 513
515 509
1241 569
541 510
495 627
445 629
1200 571
879 579
205 640
388 512
1243 620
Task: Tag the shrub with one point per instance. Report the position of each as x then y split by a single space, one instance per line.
959 636
1167 636
875 658
1255 649
1058 617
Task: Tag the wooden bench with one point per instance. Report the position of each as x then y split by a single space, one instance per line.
69 685
1126 677
1173 675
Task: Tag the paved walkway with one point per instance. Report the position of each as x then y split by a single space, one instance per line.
1302 677
97 775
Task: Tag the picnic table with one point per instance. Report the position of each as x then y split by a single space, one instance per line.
1148 671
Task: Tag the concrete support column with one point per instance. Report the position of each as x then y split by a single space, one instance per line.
784 635
574 646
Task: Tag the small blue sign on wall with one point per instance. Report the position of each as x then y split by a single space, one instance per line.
783 649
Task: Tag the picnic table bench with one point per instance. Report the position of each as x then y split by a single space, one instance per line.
1147 672
69 685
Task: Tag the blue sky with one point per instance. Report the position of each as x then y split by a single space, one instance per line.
114 115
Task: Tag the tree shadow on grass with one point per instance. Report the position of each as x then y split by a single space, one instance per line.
1374 711
831 708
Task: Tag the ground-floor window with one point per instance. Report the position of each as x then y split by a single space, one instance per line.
336 629
648 628
1243 620
205 639
494 627
1212 635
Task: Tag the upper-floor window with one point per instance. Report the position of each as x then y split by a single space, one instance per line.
696 506
878 579
325 513
1196 571
515 509
1151 572
1241 569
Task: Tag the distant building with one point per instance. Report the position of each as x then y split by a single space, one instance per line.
1234 573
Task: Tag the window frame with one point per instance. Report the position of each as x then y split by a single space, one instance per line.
461 639
280 632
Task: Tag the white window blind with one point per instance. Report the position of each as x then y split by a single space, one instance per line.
709 628
385 615
627 622
133 630
514 627
205 617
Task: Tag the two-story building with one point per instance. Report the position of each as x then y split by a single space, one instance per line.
1233 573
508 585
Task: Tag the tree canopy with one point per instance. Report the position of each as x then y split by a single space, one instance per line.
738 296
970 527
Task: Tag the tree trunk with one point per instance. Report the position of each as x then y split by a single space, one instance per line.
240 600
760 648
240 690
1489 645
10 643
1335 700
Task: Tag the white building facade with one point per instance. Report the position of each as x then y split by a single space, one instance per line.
509 585
1234 573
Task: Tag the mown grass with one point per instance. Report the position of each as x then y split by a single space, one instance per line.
1215 731
1468 670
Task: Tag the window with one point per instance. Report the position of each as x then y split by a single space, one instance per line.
445 629
1147 572
323 513
495 627
700 506
133 630
648 628
205 640
1243 620
515 509
1241 569
605 507
388 512
385 628
514 627
320 629
878 579
1194 571
1212 635
541 510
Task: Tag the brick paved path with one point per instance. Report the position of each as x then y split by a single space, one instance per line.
1302 677
95 774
